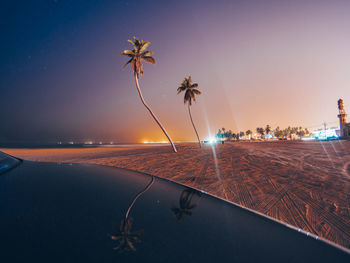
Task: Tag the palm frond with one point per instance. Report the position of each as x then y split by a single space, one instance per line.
193 97
144 45
137 42
147 53
128 53
127 63
194 85
130 41
180 89
196 91
149 59
187 97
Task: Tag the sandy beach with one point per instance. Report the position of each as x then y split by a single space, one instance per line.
305 184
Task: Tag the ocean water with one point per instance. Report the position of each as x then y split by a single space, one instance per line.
77 145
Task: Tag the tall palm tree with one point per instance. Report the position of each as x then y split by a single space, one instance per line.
191 90
138 55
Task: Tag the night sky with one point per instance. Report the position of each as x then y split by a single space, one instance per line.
256 62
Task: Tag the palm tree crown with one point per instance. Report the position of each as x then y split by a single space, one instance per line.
137 55
191 90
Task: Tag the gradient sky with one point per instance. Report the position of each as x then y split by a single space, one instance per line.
256 62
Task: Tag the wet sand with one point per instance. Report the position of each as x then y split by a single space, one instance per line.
305 184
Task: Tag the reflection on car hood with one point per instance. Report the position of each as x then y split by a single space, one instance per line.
86 213
7 162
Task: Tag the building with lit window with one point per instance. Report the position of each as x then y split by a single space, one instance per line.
344 131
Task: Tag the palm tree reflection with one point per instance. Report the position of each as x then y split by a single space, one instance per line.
185 204
125 237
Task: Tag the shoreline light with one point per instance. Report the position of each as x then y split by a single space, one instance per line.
210 140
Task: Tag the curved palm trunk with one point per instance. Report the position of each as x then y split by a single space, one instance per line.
148 186
154 116
194 127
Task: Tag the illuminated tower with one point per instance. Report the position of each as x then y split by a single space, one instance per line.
342 117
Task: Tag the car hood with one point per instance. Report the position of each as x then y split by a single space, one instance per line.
53 212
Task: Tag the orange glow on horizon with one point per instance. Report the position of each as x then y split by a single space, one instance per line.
152 141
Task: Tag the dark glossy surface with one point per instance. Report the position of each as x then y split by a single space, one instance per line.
7 163
77 213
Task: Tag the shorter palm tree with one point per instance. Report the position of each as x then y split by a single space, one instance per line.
191 90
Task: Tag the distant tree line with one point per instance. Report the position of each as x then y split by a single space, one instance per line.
228 135
288 132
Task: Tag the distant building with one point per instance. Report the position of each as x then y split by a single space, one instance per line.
325 134
344 131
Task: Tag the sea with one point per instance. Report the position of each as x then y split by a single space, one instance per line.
23 145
